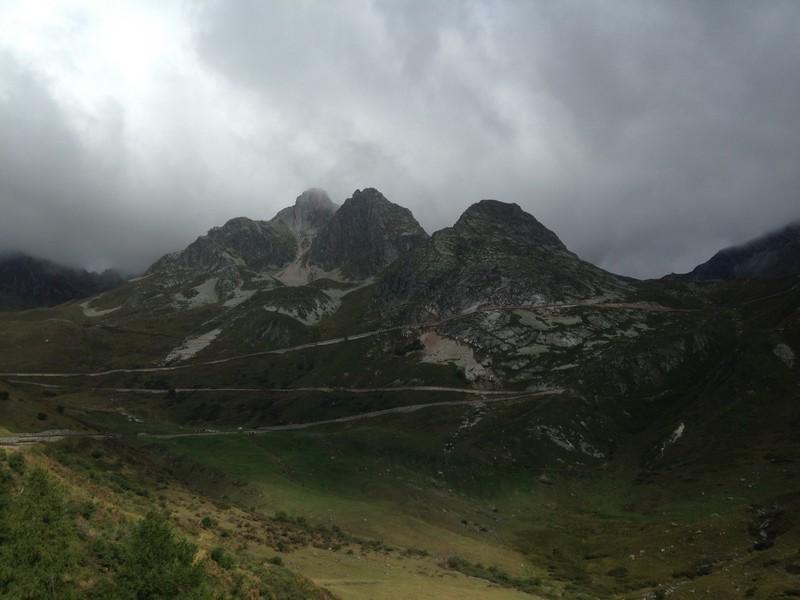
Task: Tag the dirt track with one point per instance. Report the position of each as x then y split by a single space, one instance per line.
348 338
20 439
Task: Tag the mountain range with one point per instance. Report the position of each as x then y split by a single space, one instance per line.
314 239
475 413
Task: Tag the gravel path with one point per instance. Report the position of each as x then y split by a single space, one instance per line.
358 336
20 439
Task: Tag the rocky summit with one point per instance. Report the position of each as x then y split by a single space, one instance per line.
334 404
366 234
495 255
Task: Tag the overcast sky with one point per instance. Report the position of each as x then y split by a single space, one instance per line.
646 134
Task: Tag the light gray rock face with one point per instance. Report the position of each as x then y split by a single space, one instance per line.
255 245
495 255
243 247
310 240
312 210
365 235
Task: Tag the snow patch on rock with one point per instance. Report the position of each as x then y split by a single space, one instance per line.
304 314
673 438
205 293
192 346
339 293
239 296
560 438
531 320
786 354
90 312
299 273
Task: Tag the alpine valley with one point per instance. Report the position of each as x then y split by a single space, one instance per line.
335 404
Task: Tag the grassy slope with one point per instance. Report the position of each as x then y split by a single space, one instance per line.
639 522
108 486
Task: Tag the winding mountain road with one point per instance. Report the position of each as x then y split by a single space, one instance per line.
348 338
20 439
288 390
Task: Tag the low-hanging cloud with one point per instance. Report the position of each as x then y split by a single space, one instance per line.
646 134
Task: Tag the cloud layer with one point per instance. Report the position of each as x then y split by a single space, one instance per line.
647 134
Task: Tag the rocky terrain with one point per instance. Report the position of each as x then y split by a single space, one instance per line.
366 235
491 403
495 255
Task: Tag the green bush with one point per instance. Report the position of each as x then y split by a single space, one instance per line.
39 542
219 556
208 523
494 574
156 565
17 462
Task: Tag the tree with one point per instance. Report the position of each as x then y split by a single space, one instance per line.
38 541
156 565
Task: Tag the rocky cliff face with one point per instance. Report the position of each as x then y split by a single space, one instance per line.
495 255
313 238
245 248
312 210
366 234
27 282
776 254
310 240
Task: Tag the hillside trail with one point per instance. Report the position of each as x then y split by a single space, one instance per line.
648 307
20 439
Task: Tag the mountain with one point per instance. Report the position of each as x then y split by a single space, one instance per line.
244 246
310 240
367 234
495 255
776 254
478 413
28 282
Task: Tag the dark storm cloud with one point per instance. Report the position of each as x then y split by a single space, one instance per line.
647 134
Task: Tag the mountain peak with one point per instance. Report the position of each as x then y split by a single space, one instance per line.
314 199
311 211
507 220
369 194
365 235
495 255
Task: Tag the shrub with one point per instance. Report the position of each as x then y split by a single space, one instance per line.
17 462
40 542
208 522
87 509
157 564
219 556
